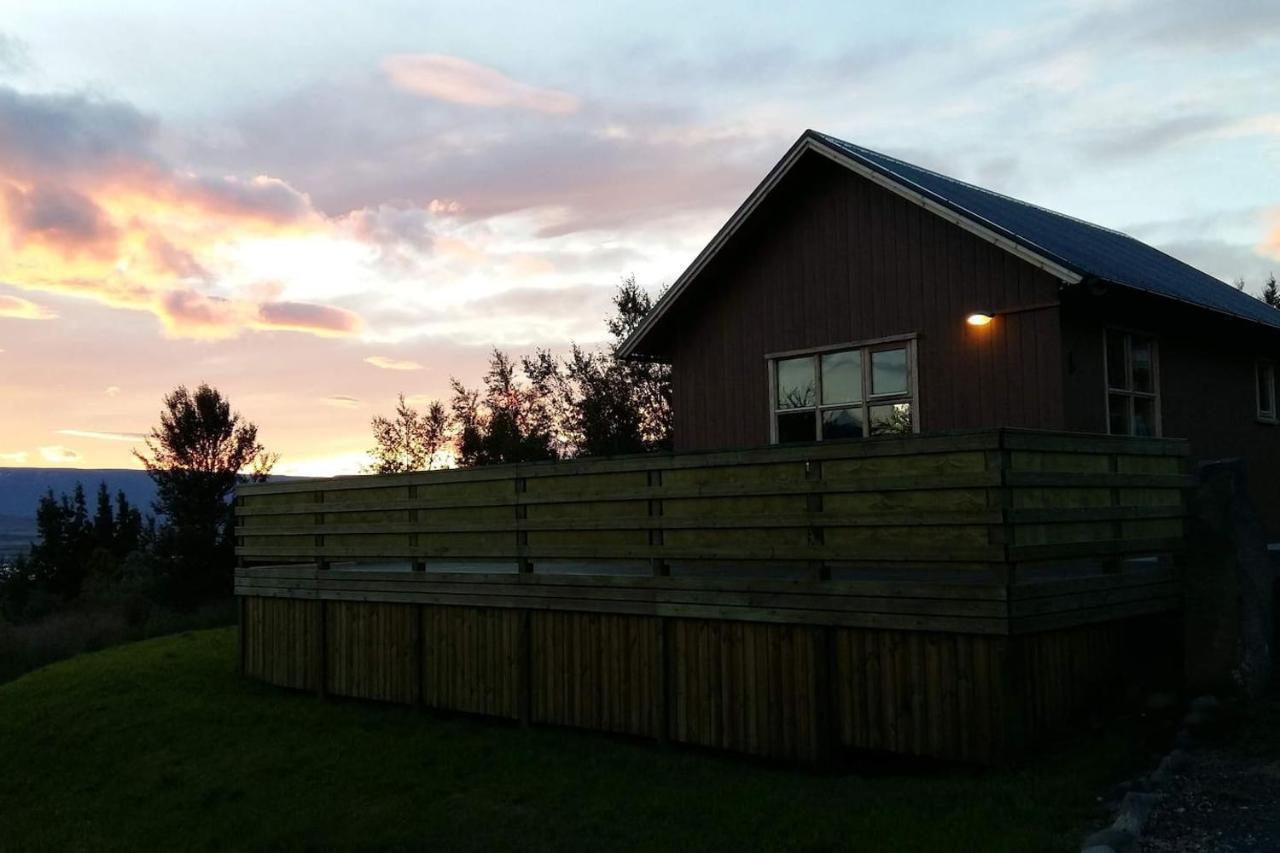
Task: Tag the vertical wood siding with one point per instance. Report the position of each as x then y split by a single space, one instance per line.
831 258
1207 382
793 692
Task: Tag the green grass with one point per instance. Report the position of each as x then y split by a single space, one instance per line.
158 745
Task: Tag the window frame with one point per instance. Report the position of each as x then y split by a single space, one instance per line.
1271 416
866 348
1108 391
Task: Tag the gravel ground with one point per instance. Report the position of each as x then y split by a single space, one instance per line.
1227 800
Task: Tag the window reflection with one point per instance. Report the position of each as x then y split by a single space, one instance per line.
889 372
796 383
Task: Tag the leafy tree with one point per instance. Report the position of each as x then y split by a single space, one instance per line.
196 456
411 440
605 404
510 421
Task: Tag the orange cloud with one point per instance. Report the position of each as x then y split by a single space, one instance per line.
18 308
459 81
392 363
89 208
17 457
1271 243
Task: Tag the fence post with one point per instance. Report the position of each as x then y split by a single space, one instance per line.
320 649
419 655
657 565
524 669
243 604
523 564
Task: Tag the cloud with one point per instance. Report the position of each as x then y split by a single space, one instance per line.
59 217
392 363
307 317
14 57
460 81
341 401
103 436
59 453
1144 139
15 307
1271 243
113 390
90 208
17 457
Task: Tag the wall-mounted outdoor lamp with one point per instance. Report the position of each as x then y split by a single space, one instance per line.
984 316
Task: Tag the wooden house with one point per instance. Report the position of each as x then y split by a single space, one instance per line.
854 295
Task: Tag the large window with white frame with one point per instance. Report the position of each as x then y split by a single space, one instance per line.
1268 410
1133 383
851 391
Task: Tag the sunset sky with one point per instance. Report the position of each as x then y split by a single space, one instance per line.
316 205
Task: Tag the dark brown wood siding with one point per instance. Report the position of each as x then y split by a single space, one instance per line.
830 258
1207 380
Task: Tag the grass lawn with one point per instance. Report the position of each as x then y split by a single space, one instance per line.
158 745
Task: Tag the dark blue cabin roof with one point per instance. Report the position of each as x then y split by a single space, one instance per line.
1087 249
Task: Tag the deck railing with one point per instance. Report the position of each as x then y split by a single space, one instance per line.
984 503
940 595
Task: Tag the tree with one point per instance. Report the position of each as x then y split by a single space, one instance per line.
59 556
196 456
1270 295
411 440
605 404
511 421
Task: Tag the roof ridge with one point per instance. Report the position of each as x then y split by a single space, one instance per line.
985 190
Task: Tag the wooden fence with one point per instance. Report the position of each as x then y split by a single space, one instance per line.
952 596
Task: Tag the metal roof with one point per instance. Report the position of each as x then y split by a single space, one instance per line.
1089 249
1070 249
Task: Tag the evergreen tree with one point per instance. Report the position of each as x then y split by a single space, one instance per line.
1270 295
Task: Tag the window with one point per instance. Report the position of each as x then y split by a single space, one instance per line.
850 392
1267 410
1133 384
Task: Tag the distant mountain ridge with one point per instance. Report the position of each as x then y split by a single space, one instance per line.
22 488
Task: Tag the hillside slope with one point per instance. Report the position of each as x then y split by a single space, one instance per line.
161 746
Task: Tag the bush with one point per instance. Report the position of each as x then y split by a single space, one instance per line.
65 633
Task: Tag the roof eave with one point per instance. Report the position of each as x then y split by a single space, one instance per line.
812 141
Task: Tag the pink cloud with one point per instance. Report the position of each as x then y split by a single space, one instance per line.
307 317
460 81
18 308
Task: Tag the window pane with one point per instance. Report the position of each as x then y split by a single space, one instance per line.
1119 406
796 426
1144 416
1141 357
796 383
842 377
1115 361
842 423
1266 389
889 372
894 419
